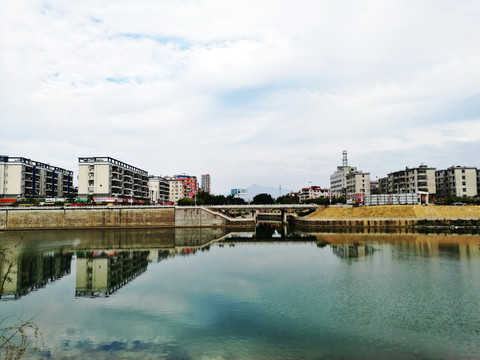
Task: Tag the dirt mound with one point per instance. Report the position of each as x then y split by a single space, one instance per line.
398 212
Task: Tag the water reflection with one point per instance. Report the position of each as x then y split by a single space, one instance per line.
109 259
106 260
31 270
415 244
352 250
267 293
103 272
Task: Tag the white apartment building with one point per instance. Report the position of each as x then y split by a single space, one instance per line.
357 182
410 180
313 192
176 189
159 189
338 180
108 180
457 181
21 177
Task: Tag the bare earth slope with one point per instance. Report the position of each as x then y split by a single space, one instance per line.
398 212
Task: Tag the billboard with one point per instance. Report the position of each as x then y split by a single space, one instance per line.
238 192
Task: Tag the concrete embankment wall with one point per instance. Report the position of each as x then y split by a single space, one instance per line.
349 223
384 223
112 217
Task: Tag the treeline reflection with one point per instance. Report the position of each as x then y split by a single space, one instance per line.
106 260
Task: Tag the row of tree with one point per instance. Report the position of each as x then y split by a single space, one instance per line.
204 198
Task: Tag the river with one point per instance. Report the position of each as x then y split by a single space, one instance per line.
264 294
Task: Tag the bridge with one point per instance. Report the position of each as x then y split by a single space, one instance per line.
257 208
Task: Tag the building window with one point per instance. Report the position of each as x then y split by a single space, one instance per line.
464 190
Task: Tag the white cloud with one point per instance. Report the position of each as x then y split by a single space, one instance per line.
253 92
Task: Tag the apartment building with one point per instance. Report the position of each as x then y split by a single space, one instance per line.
457 181
357 182
410 180
176 189
338 180
190 185
108 180
313 192
159 189
21 177
205 184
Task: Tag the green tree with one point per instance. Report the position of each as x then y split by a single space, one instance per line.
232 200
263 199
186 202
71 198
288 199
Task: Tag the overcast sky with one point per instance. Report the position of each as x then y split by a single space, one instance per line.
262 92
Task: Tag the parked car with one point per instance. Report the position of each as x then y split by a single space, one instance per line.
458 204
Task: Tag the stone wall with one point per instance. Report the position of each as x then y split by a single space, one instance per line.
197 216
113 217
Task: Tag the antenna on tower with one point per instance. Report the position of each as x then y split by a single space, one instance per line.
345 160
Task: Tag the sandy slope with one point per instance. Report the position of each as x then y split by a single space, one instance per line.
398 212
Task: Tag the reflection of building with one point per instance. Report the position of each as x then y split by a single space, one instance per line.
27 178
31 271
157 255
352 250
103 272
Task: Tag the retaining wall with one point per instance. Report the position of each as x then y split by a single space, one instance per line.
112 217
384 223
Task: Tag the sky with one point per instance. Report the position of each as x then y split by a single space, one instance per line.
266 92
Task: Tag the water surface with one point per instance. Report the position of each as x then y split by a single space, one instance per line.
207 294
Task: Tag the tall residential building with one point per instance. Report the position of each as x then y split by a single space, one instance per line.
338 180
21 177
106 178
383 185
206 183
190 185
357 182
457 181
176 191
159 189
410 180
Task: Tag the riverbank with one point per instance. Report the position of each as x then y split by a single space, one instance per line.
115 217
392 216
